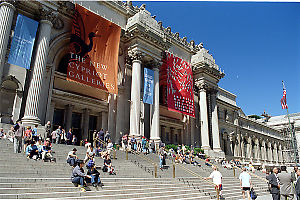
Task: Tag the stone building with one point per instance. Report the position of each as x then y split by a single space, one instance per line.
43 94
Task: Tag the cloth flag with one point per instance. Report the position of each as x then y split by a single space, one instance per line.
94 50
283 99
180 95
148 86
23 42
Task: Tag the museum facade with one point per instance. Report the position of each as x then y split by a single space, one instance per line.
43 92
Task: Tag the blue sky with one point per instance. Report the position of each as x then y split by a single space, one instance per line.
256 43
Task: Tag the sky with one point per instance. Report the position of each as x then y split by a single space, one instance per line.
257 44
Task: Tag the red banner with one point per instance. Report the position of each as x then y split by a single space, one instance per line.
179 85
94 50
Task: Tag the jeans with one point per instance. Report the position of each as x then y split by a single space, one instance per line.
32 153
95 179
160 162
71 161
79 180
17 144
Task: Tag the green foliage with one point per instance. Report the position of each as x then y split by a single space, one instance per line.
254 116
198 150
174 147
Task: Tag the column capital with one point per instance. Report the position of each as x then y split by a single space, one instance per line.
47 15
202 86
135 55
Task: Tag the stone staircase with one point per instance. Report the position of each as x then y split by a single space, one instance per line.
21 178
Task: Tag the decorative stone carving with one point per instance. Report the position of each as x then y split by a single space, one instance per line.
202 86
135 55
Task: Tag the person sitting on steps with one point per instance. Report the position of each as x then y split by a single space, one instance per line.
78 176
47 152
107 167
32 150
93 172
72 157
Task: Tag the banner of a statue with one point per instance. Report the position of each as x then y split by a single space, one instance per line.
94 48
179 85
148 86
23 42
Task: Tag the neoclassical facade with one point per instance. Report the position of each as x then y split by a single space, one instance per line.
43 93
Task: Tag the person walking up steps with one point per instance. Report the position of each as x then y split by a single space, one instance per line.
245 183
216 177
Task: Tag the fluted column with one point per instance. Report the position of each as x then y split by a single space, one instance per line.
275 153
68 117
204 118
270 155
104 121
215 122
280 158
34 92
135 108
243 146
257 149
112 116
265 148
237 146
6 16
249 147
154 132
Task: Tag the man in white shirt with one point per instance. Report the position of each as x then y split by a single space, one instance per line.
216 177
245 183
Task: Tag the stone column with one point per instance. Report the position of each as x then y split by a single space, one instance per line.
34 92
280 158
256 148
6 16
215 122
243 147
270 155
237 144
135 108
104 120
50 112
249 148
120 113
112 117
275 153
68 117
154 133
204 118
265 153
85 124
193 127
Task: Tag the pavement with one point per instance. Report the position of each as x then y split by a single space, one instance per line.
264 197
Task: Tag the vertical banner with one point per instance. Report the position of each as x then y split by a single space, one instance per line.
22 42
180 93
94 49
148 86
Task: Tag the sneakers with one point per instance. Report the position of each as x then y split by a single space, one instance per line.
81 188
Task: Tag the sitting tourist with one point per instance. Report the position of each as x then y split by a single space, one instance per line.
72 157
93 172
107 167
40 148
78 175
47 151
90 153
32 150
1 133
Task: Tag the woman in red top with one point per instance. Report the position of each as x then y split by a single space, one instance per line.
27 137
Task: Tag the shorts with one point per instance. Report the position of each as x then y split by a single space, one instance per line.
246 188
220 187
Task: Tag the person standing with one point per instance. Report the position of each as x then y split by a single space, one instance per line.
47 133
18 129
58 135
286 185
274 184
69 137
297 186
245 183
216 176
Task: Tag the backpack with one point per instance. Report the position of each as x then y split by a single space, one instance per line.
253 194
90 164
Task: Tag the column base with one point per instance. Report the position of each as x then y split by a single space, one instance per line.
207 150
30 121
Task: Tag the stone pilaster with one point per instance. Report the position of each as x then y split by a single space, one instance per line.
270 154
204 118
68 117
215 122
112 111
249 148
275 153
104 121
280 158
243 146
6 17
154 132
135 108
34 92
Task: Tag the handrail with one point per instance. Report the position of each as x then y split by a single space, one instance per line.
133 152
